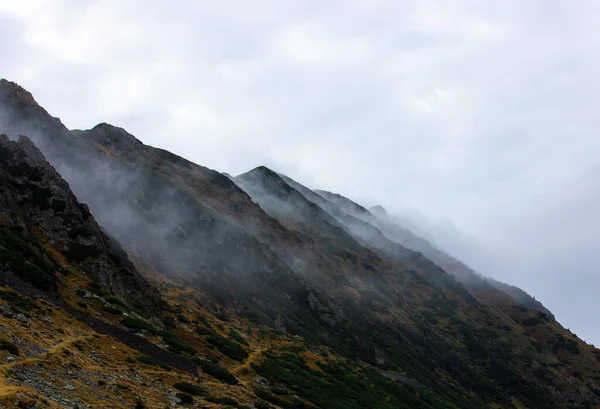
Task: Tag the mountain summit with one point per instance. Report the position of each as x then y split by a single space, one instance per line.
132 277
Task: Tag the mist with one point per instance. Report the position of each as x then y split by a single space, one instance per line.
481 115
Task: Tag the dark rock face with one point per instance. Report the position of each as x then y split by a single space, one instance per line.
37 206
312 264
182 218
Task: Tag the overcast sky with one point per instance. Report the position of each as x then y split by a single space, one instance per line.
480 116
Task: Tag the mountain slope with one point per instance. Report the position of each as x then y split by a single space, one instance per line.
408 239
316 296
268 189
44 224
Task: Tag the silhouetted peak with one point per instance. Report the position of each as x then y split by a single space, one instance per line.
265 176
114 137
16 93
24 146
261 171
378 211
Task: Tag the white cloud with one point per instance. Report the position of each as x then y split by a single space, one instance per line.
475 111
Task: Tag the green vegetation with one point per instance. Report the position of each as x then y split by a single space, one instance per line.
186 399
222 400
176 344
145 359
27 259
224 345
112 310
233 334
341 386
116 301
269 397
261 404
152 362
217 371
18 302
196 390
137 324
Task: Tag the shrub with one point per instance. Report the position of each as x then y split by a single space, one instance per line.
186 387
170 322
222 400
182 318
224 345
17 301
116 301
145 359
151 361
185 398
339 386
176 344
261 404
269 397
10 347
237 337
137 324
112 310
217 371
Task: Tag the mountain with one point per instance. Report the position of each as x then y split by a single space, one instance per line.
246 291
44 226
392 228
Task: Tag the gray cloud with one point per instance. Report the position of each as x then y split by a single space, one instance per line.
477 112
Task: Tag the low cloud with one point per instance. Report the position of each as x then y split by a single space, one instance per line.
480 113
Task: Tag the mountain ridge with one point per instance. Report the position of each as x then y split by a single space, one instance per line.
321 288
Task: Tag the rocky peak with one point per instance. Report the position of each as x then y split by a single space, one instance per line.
17 93
264 175
114 137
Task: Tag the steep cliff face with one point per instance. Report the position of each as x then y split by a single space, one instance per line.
45 229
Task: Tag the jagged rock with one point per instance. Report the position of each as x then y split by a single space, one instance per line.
34 194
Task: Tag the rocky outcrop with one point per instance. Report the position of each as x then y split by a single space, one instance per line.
42 221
